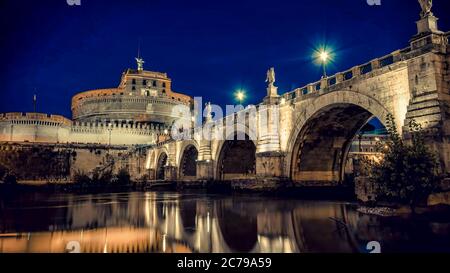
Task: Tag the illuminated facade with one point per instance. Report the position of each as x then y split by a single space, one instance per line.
138 111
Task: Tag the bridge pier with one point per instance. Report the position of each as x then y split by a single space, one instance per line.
170 173
269 165
205 170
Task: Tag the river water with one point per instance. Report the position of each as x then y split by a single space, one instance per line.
143 222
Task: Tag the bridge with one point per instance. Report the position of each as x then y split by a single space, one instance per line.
307 132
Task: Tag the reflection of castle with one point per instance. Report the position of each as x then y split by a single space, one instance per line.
136 112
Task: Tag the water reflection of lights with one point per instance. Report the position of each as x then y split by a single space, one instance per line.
208 223
127 232
164 243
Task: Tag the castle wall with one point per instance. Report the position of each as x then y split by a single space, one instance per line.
126 108
18 127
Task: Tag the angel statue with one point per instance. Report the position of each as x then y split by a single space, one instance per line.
271 76
426 6
208 112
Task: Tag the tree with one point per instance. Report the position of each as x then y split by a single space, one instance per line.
407 173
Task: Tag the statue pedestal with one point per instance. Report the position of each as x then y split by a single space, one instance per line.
428 33
427 25
272 95
272 91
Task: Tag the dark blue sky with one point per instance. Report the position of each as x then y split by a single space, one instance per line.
208 48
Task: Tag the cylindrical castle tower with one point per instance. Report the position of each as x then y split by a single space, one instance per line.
142 97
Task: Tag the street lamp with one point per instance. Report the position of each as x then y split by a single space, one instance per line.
323 56
240 96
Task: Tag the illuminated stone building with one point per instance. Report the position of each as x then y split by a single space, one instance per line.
138 111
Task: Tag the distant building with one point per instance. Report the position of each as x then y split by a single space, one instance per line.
364 147
138 111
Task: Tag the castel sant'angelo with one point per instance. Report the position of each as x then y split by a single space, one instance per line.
138 111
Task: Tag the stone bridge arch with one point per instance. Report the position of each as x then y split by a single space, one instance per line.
244 151
320 140
187 160
161 162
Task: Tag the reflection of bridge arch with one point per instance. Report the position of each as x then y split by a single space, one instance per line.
323 133
188 161
160 166
236 159
239 231
315 226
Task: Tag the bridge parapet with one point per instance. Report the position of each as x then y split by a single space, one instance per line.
345 78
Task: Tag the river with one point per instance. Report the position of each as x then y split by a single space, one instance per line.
145 222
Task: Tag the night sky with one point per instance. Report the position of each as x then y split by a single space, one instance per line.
208 48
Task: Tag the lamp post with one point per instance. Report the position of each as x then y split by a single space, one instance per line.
240 96
324 57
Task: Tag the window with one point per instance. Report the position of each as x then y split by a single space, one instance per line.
154 83
133 81
133 88
164 84
144 82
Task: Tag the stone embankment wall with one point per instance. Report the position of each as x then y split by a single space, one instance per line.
37 163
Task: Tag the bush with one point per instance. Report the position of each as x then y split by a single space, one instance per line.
10 179
123 177
81 178
3 172
407 173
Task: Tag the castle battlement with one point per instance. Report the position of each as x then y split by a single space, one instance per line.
131 128
35 118
43 128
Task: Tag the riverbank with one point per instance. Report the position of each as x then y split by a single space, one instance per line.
437 203
286 190
437 212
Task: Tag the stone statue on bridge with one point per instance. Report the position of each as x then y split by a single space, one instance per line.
272 90
426 6
271 76
208 112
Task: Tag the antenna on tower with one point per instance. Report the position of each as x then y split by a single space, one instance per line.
34 101
139 60
139 48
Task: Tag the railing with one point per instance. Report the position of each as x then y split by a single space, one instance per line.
35 118
348 75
